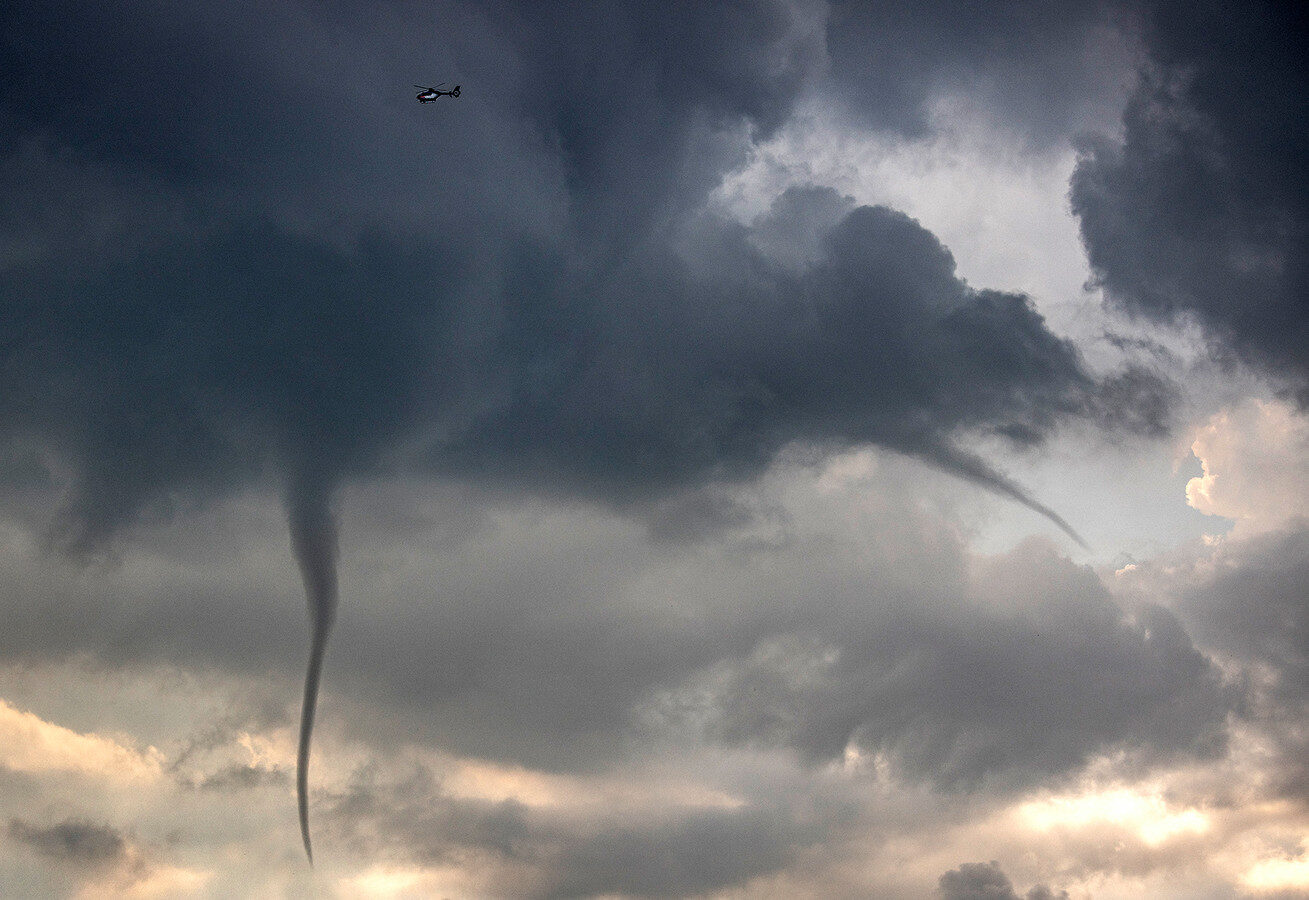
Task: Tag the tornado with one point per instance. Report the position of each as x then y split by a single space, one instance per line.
313 529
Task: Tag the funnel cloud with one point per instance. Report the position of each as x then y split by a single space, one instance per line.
313 528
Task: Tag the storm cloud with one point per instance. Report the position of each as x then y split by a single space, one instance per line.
598 357
1043 70
1203 209
652 514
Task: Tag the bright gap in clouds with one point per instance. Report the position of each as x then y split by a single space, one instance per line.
1000 210
1278 875
1139 809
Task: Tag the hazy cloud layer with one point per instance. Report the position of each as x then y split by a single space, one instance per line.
798 639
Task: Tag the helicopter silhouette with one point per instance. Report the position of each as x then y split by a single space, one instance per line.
428 94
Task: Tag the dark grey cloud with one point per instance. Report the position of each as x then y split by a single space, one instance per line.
987 881
631 95
75 842
876 342
1044 70
1253 606
1137 400
1203 209
191 368
195 367
589 356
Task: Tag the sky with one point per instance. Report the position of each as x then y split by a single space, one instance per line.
776 448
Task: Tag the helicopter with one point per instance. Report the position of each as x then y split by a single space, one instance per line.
428 94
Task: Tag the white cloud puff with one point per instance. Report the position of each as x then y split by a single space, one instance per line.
1255 460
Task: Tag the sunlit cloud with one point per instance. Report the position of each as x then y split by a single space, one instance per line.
393 882
1255 460
481 780
28 743
154 882
269 750
1277 875
1145 813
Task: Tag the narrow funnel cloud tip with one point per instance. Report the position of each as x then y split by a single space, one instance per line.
314 540
973 468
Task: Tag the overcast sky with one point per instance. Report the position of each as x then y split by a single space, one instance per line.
762 449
